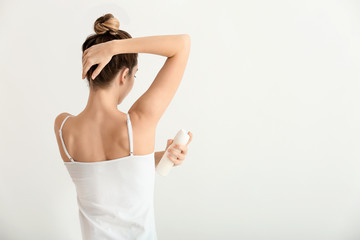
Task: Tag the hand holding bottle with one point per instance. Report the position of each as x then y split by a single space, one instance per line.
177 152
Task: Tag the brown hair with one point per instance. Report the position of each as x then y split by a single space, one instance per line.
106 29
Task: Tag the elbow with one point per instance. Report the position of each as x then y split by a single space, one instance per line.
183 44
186 42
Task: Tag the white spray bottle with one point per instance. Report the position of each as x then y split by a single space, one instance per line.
165 164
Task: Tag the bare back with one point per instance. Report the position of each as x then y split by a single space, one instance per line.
89 140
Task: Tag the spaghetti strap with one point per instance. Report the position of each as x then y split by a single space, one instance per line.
130 132
129 126
62 140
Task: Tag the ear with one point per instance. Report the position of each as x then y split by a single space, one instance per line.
123 75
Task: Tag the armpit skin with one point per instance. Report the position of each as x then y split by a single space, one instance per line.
158 156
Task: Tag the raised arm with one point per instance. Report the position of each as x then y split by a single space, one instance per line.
153 103
164 45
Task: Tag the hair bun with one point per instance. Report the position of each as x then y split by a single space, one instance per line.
106 23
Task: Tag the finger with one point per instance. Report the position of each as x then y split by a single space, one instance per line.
86 68
86 51
169 142
85 62
185 150
174 160
85 54
190 134
178 155
84 65
181 147
97 71
84 59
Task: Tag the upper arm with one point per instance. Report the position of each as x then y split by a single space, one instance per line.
153 103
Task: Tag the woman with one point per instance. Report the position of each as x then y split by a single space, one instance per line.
109 154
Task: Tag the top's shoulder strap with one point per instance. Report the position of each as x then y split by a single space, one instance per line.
63 122
62 140
129 126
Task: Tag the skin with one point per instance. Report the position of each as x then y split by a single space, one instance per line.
106 100
102 106
177 152
103 126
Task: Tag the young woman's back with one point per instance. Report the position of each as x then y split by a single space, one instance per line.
109 154
91 139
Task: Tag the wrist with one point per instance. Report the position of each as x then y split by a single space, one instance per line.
113 47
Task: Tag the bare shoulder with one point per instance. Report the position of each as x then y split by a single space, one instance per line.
57 123
58 120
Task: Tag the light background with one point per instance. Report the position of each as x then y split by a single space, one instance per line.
270 92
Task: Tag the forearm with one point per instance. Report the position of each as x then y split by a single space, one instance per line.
158 156
164 45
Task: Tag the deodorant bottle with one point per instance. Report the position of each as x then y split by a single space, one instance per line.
165 164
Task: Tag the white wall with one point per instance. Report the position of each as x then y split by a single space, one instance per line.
276 81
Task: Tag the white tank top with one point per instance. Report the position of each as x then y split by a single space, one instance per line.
115 197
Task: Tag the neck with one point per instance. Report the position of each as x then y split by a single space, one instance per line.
102 102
